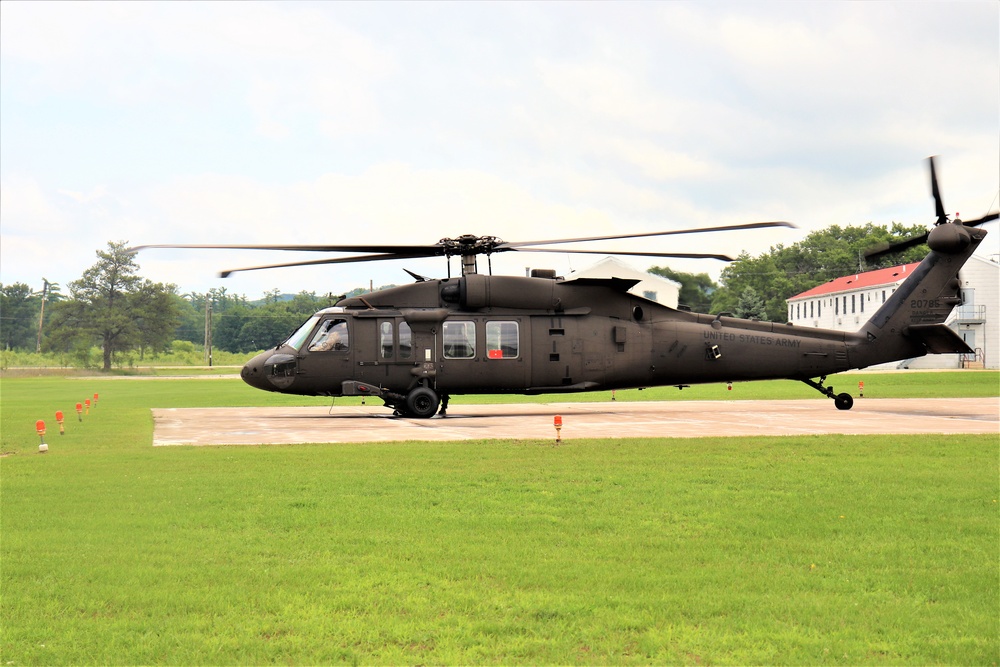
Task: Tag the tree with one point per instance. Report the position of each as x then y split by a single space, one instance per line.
763 275
266 328
250 327
18 316
822 256
157 312
192 320
226 335
115 307
696 289
751 305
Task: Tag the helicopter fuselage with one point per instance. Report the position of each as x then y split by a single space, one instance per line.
504 334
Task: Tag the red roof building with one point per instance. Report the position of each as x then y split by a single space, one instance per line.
845 303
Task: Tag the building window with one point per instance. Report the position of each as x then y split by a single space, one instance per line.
836 306
883 296
862 303
853 305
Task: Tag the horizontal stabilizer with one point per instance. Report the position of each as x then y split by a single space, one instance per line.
938 338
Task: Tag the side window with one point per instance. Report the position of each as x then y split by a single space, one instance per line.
405 341
459 340
502 340
331 335
385 340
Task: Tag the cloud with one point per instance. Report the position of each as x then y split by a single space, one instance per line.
24 208
312 122
286 63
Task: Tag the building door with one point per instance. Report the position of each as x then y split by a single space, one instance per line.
969 336
968 308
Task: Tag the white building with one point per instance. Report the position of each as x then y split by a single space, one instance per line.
655 288
846 303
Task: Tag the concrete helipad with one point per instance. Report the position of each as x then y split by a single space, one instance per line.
670 419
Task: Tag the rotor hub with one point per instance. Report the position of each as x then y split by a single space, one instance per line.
469 244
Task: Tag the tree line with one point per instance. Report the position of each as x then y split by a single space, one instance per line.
112 307
758 286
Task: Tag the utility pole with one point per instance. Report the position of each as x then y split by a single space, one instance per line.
41 314
208 331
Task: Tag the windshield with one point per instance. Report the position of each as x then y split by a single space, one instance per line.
299 337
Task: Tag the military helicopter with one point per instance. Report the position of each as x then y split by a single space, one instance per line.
416 345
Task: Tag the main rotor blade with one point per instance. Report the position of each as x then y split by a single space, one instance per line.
723 228
419 250
938 204
680 255
335 260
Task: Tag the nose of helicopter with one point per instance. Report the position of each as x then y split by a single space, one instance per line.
271 371
253 372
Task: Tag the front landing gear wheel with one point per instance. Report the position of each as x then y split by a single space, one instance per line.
422 402
843 401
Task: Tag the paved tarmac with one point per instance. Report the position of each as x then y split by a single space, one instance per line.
667 419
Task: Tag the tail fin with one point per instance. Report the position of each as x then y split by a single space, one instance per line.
911 322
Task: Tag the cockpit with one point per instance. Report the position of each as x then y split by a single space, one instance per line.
326 338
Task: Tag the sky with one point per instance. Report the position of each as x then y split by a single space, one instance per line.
339 122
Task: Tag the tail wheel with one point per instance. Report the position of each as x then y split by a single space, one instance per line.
843 401
422 402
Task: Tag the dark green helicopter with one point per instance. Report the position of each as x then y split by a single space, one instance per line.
416 345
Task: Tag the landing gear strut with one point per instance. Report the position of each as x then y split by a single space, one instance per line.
842 401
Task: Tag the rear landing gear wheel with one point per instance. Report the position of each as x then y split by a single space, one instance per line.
842 401
422 402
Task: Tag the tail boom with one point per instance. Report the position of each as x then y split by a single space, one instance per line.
911 323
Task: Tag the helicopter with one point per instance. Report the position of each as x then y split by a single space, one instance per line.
416 345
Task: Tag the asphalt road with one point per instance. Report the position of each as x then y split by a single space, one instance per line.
669 419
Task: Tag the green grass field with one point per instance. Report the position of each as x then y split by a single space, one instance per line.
801 550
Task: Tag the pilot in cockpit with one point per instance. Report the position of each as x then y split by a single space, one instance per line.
332 335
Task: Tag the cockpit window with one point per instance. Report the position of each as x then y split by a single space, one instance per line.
332 335
299 337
